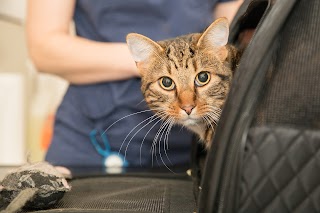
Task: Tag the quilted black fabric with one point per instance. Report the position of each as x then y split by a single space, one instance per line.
281 171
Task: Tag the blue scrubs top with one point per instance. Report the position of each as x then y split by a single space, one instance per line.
87 111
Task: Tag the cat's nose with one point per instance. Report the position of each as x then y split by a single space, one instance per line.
188 109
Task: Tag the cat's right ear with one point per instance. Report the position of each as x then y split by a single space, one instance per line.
216 37
142 47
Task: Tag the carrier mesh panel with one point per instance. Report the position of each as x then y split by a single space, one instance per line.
127 194
293 92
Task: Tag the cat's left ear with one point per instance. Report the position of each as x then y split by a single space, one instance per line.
216 37
142 47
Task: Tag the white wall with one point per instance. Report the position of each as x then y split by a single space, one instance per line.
26 97
12 119
13 89
13 8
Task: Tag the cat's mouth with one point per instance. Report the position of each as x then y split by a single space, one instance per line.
190 121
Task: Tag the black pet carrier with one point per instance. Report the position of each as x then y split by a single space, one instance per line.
265 155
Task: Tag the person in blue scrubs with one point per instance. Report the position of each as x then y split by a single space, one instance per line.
93 126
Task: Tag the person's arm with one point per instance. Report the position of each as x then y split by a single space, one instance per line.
227 9
54 50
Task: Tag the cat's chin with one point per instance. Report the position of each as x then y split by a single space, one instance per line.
195 125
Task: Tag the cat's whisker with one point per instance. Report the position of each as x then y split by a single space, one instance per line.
157 135
164 162
153 118
215 114
136 113
162 115
149 118
165 130
214 118
164 123
146 136
140 102
133 130
168 132
166 140
207 120
167 123
214 111
214 108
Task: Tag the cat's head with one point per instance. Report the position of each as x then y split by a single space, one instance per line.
186 78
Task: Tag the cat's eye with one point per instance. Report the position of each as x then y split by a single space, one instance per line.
166 83
202 79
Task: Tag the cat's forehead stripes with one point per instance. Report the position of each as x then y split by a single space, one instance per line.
179 52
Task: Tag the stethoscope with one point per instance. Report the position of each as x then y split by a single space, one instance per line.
111 159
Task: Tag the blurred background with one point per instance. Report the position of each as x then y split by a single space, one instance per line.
28 99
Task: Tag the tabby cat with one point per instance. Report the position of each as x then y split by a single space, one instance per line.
187 78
